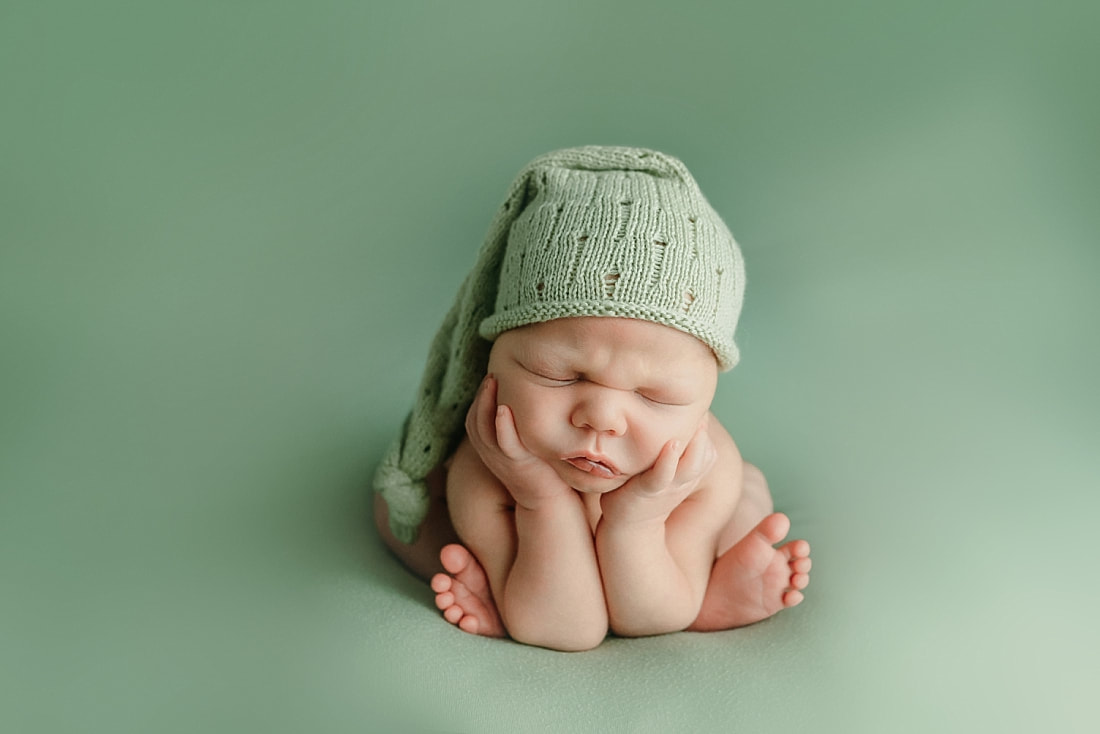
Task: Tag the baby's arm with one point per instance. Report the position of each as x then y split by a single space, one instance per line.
658 536
529 531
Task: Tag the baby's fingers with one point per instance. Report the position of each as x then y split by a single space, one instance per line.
507 435
661 474
677 466
698 458
480 421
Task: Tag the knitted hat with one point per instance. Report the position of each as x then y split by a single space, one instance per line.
590 231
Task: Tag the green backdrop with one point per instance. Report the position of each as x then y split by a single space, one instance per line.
228 231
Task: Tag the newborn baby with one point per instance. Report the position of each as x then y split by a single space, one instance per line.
561 475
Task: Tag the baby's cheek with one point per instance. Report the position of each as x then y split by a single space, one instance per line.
525 418
514 400
504 393
533 434
680 428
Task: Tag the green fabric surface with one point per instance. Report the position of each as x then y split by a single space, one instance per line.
229 230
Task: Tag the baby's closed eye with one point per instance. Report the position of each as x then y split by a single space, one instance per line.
559 380
552 376
658 398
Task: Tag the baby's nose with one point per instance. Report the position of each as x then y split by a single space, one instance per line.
601 414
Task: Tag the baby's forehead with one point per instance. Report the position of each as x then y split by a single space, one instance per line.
596 340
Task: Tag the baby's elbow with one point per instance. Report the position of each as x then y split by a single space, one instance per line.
671 620
570 638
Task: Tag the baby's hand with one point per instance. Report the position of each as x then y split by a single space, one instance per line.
652 495
493 434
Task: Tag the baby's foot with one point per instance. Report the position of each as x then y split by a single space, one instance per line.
752 580
464 595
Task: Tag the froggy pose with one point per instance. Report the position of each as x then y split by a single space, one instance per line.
561 475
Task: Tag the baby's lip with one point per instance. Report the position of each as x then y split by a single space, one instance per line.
594 464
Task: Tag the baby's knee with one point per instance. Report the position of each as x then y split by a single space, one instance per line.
755 488
754 476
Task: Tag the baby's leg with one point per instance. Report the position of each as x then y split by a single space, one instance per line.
755 504
461 587
483 517
752 580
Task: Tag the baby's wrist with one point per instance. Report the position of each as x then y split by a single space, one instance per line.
533 494
547 504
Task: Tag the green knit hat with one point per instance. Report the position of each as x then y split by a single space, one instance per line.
590 231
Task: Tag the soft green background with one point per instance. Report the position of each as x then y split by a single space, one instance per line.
228 231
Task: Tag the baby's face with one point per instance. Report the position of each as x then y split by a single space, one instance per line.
597 398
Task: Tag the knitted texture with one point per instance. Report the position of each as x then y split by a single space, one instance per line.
590 231
620 232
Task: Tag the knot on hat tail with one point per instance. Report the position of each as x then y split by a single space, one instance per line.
406 498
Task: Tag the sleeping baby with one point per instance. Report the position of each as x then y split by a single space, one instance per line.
561 475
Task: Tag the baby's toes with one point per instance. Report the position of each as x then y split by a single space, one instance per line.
792 598
796 549
774 527
455 558
445 601
453 614
800 581
443 586
441 582
801 565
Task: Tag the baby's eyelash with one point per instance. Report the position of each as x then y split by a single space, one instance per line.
655 401
552 378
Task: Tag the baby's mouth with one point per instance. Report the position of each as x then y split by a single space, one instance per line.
594 467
